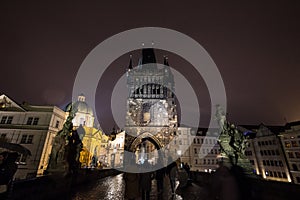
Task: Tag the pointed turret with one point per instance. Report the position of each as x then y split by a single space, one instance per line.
130 62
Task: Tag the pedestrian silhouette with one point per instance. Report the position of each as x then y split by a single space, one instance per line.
8 168
146 181
159 176
172 174
132 181
224 185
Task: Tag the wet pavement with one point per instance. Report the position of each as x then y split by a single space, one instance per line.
107 188
112 188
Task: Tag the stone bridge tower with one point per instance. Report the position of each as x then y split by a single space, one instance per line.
151 109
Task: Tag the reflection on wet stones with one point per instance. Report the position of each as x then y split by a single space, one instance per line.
109 188
112 188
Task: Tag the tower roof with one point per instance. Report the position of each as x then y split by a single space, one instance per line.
148 56
130 62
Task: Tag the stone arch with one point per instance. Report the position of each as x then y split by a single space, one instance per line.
148 136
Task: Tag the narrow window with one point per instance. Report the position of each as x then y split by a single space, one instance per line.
57 124
9 120
30 139
35 121
3 120
29 120
23 139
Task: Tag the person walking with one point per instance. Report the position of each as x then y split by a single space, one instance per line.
172 174
146 181
132 191
132 181
187 169
159 176
224 185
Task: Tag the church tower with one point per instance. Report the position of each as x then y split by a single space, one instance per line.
151 110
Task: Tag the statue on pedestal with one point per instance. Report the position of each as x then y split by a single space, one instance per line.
232 142
64 157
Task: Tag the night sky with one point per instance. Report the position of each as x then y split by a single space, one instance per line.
255 45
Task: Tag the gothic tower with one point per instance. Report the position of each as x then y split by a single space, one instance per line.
151 109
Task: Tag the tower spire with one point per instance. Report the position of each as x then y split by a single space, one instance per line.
130 62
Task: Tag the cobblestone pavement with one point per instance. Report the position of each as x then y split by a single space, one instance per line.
112 188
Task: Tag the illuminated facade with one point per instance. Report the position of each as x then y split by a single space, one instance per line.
151 111
290 139
204 154
266 154
94 140
94 147
184 142
84 113
204 151
33 127
115 150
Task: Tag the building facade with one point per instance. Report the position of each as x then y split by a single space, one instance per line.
84 113
204 153
290 140
94 147
94 140
34 128
184 142
266 154
115 150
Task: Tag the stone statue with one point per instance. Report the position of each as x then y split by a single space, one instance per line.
66 149
220 116
232 141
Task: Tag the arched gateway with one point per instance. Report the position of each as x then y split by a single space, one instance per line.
151 117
